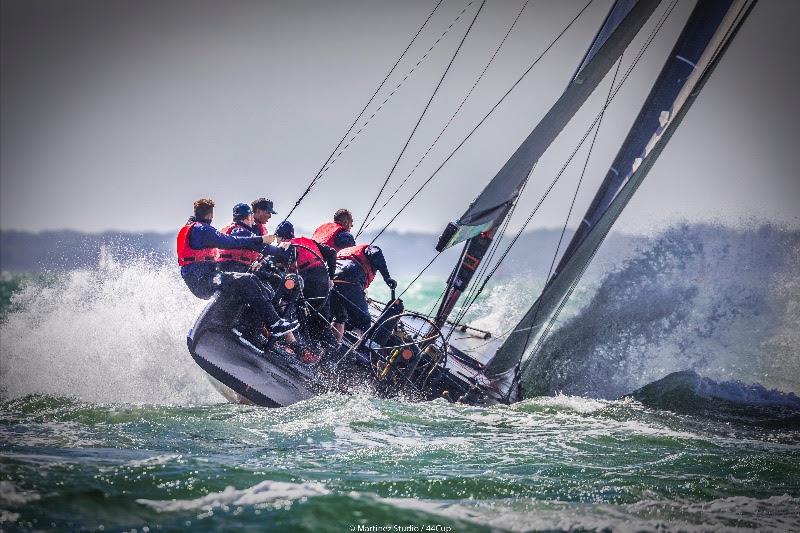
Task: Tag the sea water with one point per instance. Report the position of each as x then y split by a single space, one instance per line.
665 399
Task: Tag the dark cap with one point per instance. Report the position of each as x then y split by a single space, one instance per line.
285 230
264 204
241 211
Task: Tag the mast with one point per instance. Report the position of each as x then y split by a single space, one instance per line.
703 41
486 214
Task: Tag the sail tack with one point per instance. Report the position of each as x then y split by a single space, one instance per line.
709 30
620 27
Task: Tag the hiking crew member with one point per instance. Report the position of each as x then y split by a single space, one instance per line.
198 243
316 264
242 226
262 212
358 265
336 234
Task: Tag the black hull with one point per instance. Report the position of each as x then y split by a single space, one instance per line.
265 378
270 377
260 378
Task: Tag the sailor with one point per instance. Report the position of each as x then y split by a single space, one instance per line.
243 225
356 270
262 211
336 234
198 243
316 264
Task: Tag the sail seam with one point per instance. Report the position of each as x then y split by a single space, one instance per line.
691 63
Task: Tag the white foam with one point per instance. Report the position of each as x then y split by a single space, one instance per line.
269 493
113 334
9 495
156 460
724 303
727 514
579 404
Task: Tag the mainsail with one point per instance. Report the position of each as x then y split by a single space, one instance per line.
709 30
620 27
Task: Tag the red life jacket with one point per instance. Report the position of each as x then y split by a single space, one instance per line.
356 253
259 229
326 234
307 258
188 255
241 255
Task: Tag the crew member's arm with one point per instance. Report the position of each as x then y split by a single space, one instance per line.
329 255
206 236
282 255
378 262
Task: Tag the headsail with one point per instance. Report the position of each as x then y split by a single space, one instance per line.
709 30
620 27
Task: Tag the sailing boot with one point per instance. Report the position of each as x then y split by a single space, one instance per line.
283 326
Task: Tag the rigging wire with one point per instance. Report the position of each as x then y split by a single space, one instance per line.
551 322
367 222
575 196
400 84
422 115
436 303
421 272
485 117
471 296
324 166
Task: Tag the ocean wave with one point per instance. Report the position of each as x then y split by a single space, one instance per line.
10 495
738 513
276 494
732 401
722 302
113 334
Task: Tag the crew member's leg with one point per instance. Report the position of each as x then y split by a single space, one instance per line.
315 291
251 291
350 306
259 296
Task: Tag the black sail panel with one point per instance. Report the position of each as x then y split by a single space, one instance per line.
500 193
704 39
616 14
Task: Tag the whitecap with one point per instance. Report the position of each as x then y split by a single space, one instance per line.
270 493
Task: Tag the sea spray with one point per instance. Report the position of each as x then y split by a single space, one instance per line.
722 302
116 333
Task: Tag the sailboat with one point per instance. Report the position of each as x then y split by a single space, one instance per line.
424 357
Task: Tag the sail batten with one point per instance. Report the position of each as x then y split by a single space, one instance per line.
620 27
702 42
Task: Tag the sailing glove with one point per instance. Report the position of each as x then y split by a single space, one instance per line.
391 283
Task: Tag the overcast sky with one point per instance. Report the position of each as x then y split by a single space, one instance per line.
117 115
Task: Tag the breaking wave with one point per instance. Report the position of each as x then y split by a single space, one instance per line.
721 302
717 301
732 401
275 493
115 333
